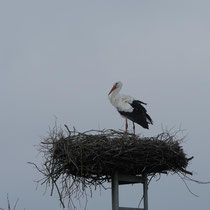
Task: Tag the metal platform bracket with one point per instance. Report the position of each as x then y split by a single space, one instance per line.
119 179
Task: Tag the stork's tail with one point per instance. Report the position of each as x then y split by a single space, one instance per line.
149 119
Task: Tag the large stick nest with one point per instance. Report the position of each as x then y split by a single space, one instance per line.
91 157
97 156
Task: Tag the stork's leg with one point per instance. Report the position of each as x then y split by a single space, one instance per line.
133 128
126 125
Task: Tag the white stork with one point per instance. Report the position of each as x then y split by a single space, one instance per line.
129 108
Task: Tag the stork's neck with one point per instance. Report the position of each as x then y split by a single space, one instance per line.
114 94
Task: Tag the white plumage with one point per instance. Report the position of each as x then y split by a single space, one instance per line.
129 108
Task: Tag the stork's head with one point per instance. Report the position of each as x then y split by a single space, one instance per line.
117 85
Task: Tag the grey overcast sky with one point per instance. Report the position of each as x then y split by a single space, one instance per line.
60 58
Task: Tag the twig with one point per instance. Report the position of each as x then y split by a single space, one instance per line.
68 129
187 186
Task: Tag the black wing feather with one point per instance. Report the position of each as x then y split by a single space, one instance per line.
137 105
138 115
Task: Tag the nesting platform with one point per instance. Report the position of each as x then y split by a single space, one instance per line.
73 159
95 155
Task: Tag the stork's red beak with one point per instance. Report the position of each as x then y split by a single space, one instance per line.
113 88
